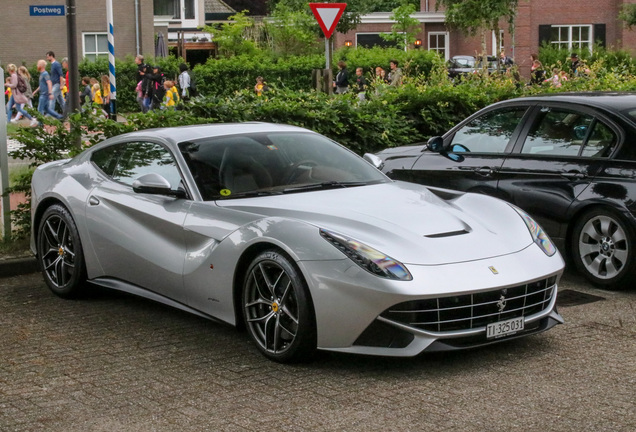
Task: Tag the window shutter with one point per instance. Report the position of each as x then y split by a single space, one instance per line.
545 34
599 34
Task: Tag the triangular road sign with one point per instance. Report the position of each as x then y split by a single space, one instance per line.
327 15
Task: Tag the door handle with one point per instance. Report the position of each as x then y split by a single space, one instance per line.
93 201
485 171
574 175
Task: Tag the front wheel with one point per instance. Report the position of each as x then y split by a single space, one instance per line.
60 252
277 309
603 249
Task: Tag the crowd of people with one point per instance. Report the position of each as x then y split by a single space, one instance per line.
156 92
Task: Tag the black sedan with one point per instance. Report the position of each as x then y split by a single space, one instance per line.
569 160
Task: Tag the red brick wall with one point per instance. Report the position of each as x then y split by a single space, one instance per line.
25 39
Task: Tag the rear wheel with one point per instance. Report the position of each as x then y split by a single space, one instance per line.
603 248
277 309
60 252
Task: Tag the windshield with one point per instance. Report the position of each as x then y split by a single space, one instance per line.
260 164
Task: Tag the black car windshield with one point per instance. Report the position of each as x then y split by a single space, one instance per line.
271 163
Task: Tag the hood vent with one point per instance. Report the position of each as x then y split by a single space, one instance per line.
447 234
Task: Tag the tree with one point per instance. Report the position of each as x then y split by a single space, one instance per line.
231 36
291 32
471 16
628 15
405 29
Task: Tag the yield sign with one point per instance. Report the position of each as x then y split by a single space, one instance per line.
327 15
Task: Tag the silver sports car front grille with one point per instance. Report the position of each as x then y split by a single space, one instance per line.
469 311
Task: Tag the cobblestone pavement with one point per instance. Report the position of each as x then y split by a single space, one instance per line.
113 362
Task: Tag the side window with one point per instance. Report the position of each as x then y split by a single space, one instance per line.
106 158
491 132
558 132
141 158
601 142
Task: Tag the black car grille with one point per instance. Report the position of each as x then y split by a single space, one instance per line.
469 311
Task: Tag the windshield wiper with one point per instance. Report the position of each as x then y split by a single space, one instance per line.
324 185
250 194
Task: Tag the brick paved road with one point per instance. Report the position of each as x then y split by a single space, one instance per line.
112 362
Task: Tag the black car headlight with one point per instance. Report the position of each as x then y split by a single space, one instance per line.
370 259
539 236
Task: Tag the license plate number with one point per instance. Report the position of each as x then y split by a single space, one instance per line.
504 328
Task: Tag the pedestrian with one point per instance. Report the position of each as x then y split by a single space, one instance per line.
18 99
574 64
260 87
537 74
171 96
380 75
184 81
157 89
68 86
57 73
342 78
45 89
105 81
395 76
506 62
361 84
86 96
23 73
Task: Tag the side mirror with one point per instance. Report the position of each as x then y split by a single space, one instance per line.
156 184
435 144
374 160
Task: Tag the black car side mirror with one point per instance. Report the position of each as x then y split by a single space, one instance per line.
435 144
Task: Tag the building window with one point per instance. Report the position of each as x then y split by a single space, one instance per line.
368 40
438 42
173 8
95 46
571 37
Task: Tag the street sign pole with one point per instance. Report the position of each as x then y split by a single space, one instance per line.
111 59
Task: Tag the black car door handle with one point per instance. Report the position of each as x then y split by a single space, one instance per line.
486 171
573 175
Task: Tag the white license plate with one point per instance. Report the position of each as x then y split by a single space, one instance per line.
504 328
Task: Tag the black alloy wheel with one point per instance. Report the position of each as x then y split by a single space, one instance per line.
59 252
277 309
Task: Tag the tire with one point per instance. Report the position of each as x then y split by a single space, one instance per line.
277 309
59 252
603 249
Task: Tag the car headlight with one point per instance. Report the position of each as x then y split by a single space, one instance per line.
537 233
371 260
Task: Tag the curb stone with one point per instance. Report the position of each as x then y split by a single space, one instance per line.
18 266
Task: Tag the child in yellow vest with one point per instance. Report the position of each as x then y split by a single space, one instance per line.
171 99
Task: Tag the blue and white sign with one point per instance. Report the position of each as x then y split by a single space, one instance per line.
58 10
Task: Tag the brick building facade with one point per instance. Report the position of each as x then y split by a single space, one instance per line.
25 38
568 23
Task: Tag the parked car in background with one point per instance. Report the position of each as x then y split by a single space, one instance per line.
464 64
569 160
296 238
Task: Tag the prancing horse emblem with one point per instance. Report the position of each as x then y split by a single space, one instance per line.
501 304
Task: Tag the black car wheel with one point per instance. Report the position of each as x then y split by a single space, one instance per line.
602 245
277 309
59 252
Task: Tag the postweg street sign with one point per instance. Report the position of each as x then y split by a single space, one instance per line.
54 10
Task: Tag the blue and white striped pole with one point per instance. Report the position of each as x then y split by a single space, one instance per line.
111 59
